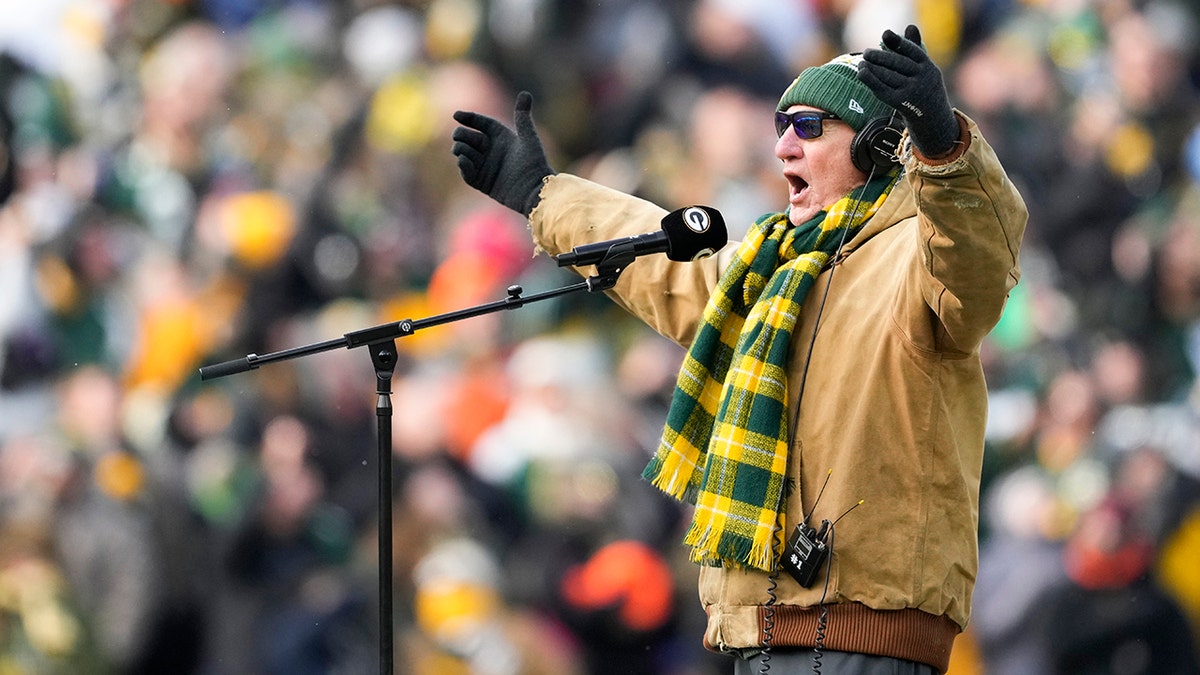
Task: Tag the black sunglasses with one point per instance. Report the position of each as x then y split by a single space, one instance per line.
807 123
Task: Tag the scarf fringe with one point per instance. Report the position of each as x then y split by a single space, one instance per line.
714 549
669 472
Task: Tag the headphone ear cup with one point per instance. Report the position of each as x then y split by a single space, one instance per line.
874 146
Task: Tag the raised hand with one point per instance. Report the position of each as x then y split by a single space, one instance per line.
902 75
504 164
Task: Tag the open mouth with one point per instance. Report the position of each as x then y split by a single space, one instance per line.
796 186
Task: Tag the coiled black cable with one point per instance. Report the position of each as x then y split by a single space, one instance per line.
764 666
772 584
818 650
823 617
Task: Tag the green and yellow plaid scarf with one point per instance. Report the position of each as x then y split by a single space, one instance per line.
725 444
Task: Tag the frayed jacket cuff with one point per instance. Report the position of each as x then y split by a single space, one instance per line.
951 162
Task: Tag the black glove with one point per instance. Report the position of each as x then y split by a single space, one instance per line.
505 165
902 76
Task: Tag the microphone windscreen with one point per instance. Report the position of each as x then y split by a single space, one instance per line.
694 232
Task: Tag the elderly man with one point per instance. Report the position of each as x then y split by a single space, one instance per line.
828 419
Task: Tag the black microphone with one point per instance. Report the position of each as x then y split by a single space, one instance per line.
687 234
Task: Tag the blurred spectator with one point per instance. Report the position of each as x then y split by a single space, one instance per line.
1110 617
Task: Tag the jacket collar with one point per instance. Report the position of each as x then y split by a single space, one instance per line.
898 206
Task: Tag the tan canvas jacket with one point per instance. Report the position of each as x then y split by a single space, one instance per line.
894 402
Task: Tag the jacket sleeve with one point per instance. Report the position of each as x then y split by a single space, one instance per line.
669 296
971 220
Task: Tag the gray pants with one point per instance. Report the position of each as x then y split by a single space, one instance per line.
796 661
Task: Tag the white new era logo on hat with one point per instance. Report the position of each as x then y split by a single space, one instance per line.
856 106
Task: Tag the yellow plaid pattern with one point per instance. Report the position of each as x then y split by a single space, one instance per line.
725 443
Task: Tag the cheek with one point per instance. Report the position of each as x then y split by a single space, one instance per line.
843 176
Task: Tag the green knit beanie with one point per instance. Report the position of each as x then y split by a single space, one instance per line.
834 87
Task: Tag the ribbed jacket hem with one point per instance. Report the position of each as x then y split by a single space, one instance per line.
909 634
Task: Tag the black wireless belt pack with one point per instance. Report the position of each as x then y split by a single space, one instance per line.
805 553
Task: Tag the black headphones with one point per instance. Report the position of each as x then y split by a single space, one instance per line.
875 146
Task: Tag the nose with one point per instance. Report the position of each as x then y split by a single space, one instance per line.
789 145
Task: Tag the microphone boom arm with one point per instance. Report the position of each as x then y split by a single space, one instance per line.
606 278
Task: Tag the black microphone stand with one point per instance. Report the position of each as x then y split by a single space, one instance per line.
381 341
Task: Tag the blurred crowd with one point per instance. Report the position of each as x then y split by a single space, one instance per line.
191 181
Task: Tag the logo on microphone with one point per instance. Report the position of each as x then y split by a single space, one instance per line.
696 219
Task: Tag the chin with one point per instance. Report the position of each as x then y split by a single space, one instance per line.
797 215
